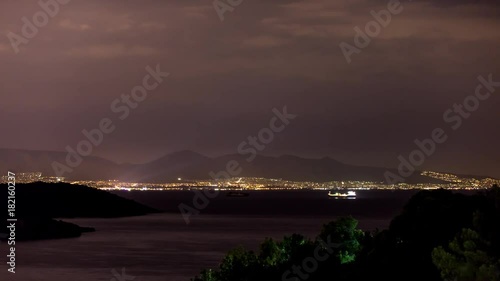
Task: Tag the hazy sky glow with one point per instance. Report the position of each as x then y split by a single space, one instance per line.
226 77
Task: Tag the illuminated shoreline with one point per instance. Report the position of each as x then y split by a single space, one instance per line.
450 181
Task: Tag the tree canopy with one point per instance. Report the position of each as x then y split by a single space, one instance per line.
439 235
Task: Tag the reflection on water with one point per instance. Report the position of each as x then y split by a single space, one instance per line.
156 247
163 247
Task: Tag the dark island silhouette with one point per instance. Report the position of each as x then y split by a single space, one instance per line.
38 203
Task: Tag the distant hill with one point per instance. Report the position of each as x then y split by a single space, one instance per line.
92 168
192 165
40 228
37 203
63 200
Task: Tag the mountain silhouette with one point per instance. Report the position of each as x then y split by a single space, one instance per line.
192 165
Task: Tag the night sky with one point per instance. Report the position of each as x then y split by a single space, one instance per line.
227 76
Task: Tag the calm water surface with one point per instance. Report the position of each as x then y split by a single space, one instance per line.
164 247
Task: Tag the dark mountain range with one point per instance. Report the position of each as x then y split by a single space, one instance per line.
91 168
192 165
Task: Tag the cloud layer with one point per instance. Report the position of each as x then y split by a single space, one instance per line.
227 76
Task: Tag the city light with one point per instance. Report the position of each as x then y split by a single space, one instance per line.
449 181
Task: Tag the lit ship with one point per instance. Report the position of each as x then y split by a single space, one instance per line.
343 195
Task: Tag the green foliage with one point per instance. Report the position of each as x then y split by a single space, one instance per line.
271 253
276 257
473 255
237 264
466 259
346 235
208 275
415 247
